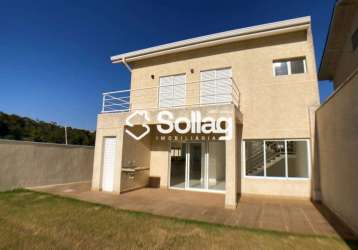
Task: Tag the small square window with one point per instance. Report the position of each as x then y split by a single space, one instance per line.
355 40
281 68
289 67
297 66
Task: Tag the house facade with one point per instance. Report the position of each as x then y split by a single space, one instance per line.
241 104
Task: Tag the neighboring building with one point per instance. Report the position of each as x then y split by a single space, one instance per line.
340 59
337 117
263 78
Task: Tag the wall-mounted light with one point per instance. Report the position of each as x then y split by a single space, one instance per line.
192 71
152 76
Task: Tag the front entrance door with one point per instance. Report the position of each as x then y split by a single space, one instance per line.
197 166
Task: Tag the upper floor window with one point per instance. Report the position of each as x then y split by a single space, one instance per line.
172 91
355 40
289 67
216 86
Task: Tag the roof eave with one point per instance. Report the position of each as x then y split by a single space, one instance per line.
258 31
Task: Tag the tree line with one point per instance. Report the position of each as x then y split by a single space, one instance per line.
14 127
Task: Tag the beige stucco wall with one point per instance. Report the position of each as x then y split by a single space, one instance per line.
108 126
128 150
28 164
337 143
277 187
136 152
273 107
337 134
159 160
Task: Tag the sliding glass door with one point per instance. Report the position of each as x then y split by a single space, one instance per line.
178 165
216 166
275 158
196 154
198 166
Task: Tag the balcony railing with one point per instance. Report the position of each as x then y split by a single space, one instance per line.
202 93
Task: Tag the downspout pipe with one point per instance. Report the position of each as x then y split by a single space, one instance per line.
126 64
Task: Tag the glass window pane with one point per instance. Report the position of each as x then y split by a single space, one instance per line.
217 165
297 66
254 158
297 158
275 159
177 169
196 165
281 68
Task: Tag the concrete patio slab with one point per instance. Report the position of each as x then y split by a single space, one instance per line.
270 213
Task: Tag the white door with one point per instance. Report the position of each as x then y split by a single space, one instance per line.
109 157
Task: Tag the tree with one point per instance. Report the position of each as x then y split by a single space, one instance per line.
14 127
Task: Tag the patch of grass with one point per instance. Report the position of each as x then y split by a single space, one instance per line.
42 221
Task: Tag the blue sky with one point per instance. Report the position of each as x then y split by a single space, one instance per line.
55 54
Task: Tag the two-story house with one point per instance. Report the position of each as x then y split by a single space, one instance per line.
240 102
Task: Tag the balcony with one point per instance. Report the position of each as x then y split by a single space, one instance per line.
191 94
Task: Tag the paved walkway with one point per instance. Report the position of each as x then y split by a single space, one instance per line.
295 216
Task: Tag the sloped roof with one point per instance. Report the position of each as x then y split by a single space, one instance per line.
216 39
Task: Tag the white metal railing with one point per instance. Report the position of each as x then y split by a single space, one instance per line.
150 97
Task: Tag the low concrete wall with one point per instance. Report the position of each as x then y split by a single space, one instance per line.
26 164
276 187
337 149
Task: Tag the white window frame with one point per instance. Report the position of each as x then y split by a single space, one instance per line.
243 161
172 106
288 61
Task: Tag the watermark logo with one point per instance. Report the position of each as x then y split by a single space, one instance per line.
195 125
139 113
